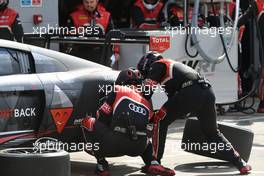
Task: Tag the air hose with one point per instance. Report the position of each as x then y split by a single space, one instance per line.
186 47
222 37
255 69
197 43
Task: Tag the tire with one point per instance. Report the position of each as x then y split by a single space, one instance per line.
240 138
26 162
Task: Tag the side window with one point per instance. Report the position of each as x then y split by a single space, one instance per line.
46 64
9 62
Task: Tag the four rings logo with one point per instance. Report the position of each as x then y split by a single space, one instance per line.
137 109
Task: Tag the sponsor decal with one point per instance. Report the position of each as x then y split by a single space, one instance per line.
82 17
137 109
61 108
106 108
61 117
31 3
18 113
6 113
159 44
25 3
36 2
201 66
77 122
28 112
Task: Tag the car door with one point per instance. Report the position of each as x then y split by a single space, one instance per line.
22 98
62 94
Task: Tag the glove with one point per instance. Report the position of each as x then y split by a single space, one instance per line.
88 123
160 115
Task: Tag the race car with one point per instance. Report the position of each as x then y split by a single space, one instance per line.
47 93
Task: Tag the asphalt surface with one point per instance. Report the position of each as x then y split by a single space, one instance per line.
184 163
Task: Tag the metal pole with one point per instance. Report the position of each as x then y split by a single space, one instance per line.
186 13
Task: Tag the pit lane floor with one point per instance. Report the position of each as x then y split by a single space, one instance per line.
184 163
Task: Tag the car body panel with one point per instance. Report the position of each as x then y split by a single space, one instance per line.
48 103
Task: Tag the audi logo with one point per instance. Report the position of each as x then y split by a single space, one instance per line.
137 109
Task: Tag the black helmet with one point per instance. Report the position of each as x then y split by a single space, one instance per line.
130 76
150 4
3 4
146 61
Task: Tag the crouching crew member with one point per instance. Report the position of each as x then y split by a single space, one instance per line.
120 126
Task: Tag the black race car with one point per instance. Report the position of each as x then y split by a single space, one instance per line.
46 93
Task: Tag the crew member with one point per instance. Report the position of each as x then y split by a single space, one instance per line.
10 25
260 5
147 14
187 92
97 21
121 124
174 14
261 92
251 10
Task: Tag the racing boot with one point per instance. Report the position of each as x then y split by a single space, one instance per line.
157 169
242 166
102 168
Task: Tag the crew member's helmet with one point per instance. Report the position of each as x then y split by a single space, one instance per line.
130 76
150 4
3 4
146 61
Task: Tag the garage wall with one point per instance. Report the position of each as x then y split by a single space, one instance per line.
49 10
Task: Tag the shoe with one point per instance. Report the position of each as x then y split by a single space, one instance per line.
102 168
261 107
245 170
242 166
157 170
